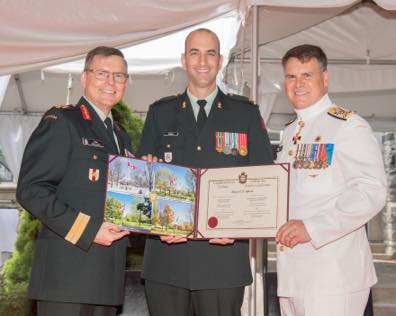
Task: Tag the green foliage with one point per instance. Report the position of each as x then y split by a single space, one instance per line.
16 270
113 209
15 303
132 123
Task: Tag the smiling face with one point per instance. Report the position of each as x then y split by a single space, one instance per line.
104 93
305 82
201 61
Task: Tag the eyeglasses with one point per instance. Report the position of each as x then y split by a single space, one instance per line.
104 75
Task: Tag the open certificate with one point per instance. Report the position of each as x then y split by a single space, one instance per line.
165 199
243 202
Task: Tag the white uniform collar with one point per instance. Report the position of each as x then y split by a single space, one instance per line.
314 109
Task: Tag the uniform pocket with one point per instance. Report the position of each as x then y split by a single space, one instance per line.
171 148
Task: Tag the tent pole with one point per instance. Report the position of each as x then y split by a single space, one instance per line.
253 249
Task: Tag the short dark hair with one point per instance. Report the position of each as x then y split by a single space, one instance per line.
305 53
103 51
202 29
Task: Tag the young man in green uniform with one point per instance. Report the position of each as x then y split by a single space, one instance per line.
202 127
79 262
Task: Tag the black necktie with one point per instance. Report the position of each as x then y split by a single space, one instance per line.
109 130
201 119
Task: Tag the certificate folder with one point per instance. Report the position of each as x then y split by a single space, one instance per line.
165 199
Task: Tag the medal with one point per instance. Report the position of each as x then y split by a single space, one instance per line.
227 143
219 141
242 142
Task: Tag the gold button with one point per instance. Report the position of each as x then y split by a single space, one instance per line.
168 145
291 152
94 157
199 148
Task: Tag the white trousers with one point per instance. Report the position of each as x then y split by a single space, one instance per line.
351 304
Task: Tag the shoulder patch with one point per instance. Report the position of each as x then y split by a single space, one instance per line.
50 117
339 113
291 121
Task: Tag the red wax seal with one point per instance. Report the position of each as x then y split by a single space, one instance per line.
212 222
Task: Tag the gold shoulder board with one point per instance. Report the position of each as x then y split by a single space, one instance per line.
339 112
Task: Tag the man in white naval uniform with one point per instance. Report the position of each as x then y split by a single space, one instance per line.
337 184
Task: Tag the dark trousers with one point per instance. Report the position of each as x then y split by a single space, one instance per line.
47 308
167 300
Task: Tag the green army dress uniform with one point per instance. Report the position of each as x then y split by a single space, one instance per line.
171 133
62 182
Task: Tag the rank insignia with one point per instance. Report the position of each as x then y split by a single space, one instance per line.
339 112
93 174
168 156
85 113
219 105
184 104
50 117
63 106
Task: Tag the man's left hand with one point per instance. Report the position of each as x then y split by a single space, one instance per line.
292 233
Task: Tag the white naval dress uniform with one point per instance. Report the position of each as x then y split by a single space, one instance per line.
334 203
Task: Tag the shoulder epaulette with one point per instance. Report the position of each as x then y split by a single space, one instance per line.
63 106
291 121
168 98
240 98
339 113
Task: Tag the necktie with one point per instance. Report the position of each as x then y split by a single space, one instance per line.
201 119
109 130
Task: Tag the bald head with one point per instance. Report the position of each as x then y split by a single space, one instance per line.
204 30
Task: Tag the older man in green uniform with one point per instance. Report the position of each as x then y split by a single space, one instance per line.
79 263
203 127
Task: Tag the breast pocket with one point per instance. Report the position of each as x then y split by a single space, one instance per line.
315 180
88 167
171 148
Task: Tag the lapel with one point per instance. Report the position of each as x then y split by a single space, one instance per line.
185 115
120 139
93 122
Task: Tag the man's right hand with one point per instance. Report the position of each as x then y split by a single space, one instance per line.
108 233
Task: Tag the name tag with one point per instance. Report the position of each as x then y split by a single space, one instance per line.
92 142
171 134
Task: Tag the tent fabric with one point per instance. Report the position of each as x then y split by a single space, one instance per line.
361 63
8 233
35 34
14 135
4 80
386 4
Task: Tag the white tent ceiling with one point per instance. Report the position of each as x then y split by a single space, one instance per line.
35 34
